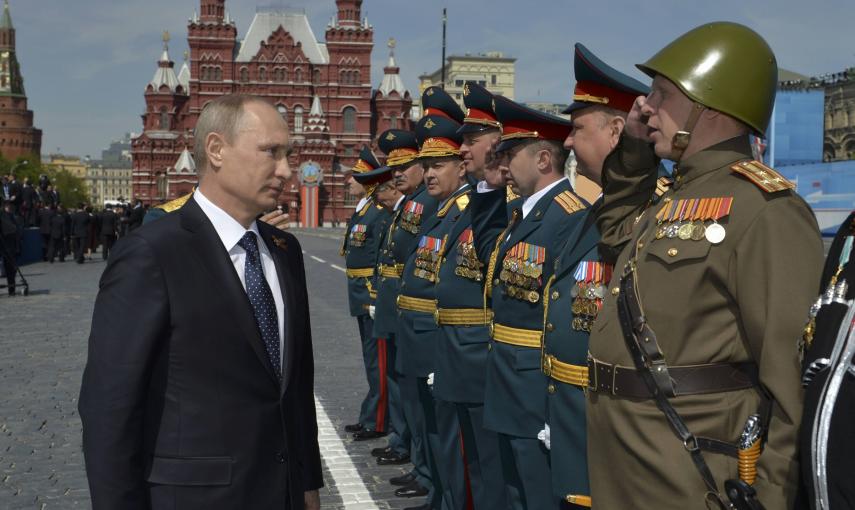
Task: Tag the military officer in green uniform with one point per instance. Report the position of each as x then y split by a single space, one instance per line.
401 149
521 262
360 248
445 178
694 374
601 100
461 348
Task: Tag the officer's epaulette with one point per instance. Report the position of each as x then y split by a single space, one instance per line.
764 177
447 205
510 196
365 208
462 201
663 184
174 205
569 202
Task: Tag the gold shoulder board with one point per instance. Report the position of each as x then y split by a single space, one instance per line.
174 205
663 184
511 196
462 201
569 202
764 177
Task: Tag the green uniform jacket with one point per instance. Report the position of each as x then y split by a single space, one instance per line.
742 299
360 248
398 243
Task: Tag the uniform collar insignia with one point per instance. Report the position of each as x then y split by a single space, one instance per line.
280 243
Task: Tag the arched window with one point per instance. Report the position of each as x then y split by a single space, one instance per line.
262 74
393 121
356 80
298 119
316 76
244 74
282 111
218 73
164 119
279 74
161 185
349 116
298 75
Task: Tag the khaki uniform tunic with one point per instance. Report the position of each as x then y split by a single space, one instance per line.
742 299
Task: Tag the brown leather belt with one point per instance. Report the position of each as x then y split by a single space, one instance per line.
688 380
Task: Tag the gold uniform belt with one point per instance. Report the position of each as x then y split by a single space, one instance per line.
463 316
392 271
360 272
517 336
415 304
565 372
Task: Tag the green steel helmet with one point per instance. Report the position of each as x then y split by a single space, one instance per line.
724 66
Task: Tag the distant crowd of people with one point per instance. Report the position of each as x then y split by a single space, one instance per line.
67 231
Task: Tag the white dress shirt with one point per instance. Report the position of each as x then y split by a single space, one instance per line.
230 232
398 204
531 201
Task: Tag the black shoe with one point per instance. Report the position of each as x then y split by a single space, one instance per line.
414 490
403 480
356 427
381 452
365 435
420 507
394 459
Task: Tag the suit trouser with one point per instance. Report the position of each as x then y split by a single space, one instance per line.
525 467
412 390
79 247
446 447
483 461
56 247
400 437
45 246
9 267
372 414
106 245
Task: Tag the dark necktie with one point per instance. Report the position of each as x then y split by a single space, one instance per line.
261 299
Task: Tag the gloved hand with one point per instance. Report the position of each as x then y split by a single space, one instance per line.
371 311
543 435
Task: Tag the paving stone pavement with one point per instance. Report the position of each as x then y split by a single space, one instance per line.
43 341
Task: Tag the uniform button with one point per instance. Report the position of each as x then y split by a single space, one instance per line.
550 388
443 260
615 291
280 457
489 347
496 282
393 244
549 326
555 295
673 252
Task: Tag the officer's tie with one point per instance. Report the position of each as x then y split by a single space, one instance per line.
261 298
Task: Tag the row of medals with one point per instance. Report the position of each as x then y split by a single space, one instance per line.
357 239
522 279
426 263
411 226
468 265
694 230
587 301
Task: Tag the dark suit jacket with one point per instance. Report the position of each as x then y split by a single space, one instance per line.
180 405
109 223
56 226
46 215
80 224
135 218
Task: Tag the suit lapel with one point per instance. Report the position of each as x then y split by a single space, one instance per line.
217 262
533 220
278 248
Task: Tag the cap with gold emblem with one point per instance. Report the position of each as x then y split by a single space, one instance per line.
479 109
521 123
367 161
400 147
372 178
597 83
436 102
438 137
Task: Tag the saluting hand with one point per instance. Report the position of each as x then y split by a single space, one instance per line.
277 218
636 121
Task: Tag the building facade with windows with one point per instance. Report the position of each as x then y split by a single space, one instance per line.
491 69
322 89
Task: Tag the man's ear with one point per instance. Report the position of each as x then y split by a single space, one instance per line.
214 146
544 160
615 129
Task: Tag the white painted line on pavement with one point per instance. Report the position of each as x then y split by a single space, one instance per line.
304 252
318 259
343 270
345 476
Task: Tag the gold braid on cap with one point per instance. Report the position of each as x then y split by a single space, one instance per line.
437 148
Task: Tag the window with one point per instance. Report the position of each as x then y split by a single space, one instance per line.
164 119
218 73
349 115
393 122
244 74
298 119
298 75
483 83
458 83
262 74
280 74
493 79
316 76
282 111
161 185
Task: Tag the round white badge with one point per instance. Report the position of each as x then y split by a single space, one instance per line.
715 233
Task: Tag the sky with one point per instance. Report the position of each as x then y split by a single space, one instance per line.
86 62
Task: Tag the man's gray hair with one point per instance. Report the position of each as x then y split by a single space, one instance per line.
223 116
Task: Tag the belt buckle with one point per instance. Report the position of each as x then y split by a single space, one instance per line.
547 365
614 379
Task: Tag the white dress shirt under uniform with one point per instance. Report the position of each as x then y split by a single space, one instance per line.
230 232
